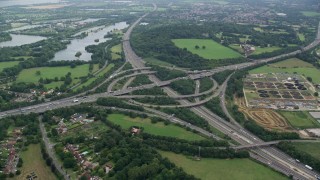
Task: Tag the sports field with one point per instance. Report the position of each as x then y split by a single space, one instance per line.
223 169
212 50
310 13
300 119
30 76
310 148
33 162
156 129
292 65
8 64
115 50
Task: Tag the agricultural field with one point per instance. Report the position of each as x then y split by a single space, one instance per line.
222 169
310 13
308 147
116 52
211 50
8 64
300 119
292 65
158 128
33 162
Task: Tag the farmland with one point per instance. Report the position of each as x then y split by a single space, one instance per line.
158 128
33 162
300 119
290 66
4 65
226 169
211 50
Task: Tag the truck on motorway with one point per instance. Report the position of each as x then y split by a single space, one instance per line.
308 167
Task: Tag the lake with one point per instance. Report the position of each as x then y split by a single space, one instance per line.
18 40
78 45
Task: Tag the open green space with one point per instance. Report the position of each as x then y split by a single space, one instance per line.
260 50
33 162
301 37
158 128
310 13
157 62
311 148
236 47
100 74
223 169
30 75
208 49
293 65
116 51
300 119
8 64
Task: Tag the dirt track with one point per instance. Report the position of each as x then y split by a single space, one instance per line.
265 117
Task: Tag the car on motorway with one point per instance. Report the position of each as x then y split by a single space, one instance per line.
75 100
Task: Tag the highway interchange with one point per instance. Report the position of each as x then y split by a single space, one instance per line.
266 154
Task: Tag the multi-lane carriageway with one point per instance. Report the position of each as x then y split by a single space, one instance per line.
268 155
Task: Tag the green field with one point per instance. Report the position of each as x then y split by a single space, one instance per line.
223 169
290 66
30 76
100 74
8 64
213 50
300 119
159 128
157 62
33 162
310 13
301 37
260 50
311 148
115 50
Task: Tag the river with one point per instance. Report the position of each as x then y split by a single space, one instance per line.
78 45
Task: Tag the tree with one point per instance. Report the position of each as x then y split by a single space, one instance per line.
11 175
69 162
203 47
197 47
316 94
18 172
309 79
54 132
38 73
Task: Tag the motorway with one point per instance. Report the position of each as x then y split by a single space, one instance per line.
268 155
